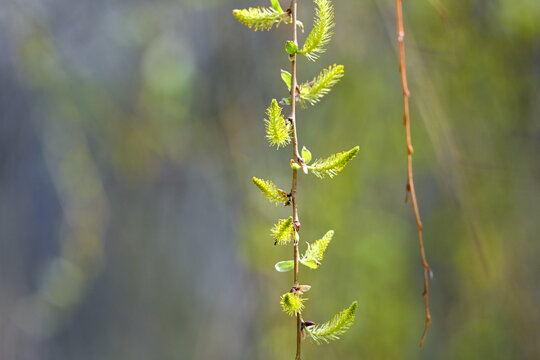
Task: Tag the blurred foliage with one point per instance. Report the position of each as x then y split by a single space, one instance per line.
129 228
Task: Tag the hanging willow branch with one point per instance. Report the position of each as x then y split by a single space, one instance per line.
296 221
410 182
281 132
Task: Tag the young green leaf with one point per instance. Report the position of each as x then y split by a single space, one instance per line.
259 18
283 231
313 91
276 6
332 165
285 101
315 252
306 155
271 191
286 77
278 131
291 47
334 328
292 303
310 263
295 166
323 26
284 266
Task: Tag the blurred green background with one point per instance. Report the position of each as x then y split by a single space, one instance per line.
129 226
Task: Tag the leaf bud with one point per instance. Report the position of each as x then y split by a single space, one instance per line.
291 47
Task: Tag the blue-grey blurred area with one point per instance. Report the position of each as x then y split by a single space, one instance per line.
129 226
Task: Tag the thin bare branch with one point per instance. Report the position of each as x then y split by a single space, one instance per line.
410 183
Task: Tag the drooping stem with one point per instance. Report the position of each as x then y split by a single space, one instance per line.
410 182
296 157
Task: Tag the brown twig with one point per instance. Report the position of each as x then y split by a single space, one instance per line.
296 157
410 182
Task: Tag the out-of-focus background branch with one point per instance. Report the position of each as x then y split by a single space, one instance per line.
129 229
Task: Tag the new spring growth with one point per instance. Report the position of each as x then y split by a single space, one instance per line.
280 131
